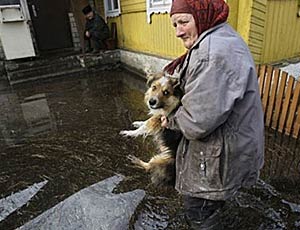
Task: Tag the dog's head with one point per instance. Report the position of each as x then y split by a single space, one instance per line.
163 94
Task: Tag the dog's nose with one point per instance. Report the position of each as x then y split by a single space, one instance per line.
152 101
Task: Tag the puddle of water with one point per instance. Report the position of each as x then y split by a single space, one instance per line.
67 132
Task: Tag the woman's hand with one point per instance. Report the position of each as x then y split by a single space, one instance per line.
164 121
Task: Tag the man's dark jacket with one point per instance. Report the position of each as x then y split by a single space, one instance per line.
97 27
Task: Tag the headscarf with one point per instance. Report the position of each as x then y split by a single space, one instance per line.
206 13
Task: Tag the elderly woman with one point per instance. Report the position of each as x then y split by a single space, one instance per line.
221 116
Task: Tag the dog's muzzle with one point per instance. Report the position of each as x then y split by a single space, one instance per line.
154 104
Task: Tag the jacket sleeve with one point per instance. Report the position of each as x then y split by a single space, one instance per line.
211 89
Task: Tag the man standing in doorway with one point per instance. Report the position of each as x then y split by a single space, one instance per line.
96 30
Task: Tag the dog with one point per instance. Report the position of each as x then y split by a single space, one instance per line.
162 98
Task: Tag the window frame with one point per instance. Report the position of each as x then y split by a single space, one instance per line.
163 6
111 13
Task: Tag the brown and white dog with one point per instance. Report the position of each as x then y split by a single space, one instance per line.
162 98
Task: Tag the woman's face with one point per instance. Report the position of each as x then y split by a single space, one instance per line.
185 28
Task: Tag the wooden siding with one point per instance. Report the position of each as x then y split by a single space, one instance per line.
157 38
282 31
257 29
132 6
271 28
135 34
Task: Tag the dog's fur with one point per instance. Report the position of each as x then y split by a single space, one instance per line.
162 97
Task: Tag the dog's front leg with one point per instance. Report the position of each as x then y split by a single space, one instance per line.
149 127
140 131
137 124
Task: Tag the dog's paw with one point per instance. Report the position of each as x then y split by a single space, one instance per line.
138 124
133 159
128 133
124 133
139 163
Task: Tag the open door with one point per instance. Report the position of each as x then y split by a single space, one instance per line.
51 23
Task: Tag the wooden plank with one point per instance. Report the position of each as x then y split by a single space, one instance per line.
260 4
292 110
256 57
267 88
259 13
259 29
255 41
274 87
296 128
262 71
286 104
279 98
254 47
256 35
258 21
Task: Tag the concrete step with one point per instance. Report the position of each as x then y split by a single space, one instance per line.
31 70
66 73
48 68
37 62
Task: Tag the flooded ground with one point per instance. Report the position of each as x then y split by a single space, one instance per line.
66 131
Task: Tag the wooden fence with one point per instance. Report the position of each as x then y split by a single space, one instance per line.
280 98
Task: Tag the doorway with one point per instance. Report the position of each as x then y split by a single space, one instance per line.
51 23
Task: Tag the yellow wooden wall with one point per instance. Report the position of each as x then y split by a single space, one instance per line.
282 31
257 29
271 28
135 34
157 38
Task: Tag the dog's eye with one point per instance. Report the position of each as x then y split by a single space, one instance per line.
165 92
153 87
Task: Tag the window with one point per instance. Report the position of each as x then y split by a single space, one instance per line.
112 8
157 6
10 2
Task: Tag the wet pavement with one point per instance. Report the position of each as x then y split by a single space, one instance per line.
66 132
94 207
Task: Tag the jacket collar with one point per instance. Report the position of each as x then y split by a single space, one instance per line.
205 33
201 37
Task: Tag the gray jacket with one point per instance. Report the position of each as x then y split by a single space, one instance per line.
221 117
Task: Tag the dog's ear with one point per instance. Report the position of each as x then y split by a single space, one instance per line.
175 82
152 77
176 86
